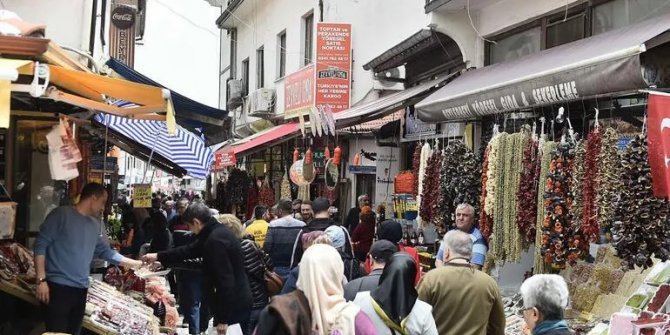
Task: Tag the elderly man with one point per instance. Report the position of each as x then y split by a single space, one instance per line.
465 215
465 301
544 300
353 217
226 286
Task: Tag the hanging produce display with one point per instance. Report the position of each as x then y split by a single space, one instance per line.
252 200
337 155
506 240
285 187
577 176
609 181
426 152
640 229
326 153
485 221
589 222
308 156
296 155
237 186
266 196
431 183
562 243
527 194
416 165
490 187
459 181
545 152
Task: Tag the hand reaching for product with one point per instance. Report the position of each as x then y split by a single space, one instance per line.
150 258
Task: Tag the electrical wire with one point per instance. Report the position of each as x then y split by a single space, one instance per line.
186 18
472 24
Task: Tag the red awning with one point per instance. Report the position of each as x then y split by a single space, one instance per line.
274 134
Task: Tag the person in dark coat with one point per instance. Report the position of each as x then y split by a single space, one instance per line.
545 298
364 234
161 238
353 217
226 285
380 255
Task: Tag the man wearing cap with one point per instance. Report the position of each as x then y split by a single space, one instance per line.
391 230
380 254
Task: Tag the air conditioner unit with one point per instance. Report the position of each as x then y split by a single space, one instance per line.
234 93
261 103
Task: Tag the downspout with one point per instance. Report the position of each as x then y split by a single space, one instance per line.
320 10
91 35
103 19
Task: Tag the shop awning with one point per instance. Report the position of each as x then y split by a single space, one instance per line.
263 139
189 113
184 149
388 104
604 64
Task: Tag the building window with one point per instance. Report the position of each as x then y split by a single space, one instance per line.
562 32
233 52
516 45
308 39
260 68
281 54
245 77
620 13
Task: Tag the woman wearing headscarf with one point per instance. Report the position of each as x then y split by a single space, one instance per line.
394 306
391 231
321 273
364 233
338 239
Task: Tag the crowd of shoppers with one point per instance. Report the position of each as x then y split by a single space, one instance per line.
333 283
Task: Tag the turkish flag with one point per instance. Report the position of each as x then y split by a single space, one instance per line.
658 142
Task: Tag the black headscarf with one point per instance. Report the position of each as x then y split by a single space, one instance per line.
396 294
390 230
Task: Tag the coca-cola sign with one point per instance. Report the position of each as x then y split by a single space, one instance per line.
123 17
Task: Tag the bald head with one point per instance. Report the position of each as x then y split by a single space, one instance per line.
457 244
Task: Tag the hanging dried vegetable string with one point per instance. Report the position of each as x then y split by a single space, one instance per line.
460 181
416 165
545 154
484 219
589 223
491 179
527 194
609 181
498 195
640 228
426 152
285 187
266 196
561 243
577 178
431 183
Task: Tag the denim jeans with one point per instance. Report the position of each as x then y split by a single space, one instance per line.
253 320
190 297
282 271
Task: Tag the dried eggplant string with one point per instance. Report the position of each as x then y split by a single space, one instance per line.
609 181
577 178
640 228
545 153
460 181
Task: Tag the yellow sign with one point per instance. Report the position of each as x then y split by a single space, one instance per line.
142 196
95 177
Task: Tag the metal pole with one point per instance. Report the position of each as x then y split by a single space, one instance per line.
151 155
104 150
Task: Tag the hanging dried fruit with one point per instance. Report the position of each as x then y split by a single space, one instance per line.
266 196
485 220
431 182
285 187
539 266
416 165
577 180
237 186
640 228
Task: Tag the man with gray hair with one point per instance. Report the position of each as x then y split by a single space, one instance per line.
465 215
545 297
353 217
464 300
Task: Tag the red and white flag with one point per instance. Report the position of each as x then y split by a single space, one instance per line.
658 142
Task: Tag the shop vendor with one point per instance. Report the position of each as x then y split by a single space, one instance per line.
465 218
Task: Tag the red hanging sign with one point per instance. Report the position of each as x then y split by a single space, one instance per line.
658 142
224 159
333 65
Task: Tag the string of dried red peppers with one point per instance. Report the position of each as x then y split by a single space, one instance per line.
589 222
485 220
416 163
431 183
527 194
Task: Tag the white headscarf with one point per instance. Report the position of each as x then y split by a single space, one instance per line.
320 279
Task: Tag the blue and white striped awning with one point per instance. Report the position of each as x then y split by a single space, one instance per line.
183 148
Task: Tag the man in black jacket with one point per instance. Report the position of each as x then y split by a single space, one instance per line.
353 217
225 281
320 222
380 254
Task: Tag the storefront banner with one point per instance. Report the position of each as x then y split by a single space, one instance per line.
362 169
122 33
333 65
224 159
299 92
658 142
142 196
